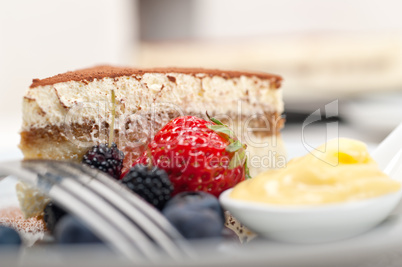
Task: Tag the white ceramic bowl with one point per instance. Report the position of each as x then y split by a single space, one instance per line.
311 224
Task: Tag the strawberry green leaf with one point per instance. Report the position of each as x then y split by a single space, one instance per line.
247 170
216 121
235 146
238 159
221 129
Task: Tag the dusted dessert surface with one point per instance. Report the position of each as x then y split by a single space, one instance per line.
99 72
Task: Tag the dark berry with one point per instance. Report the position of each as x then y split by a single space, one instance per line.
152 184
105 158
70 230
197 200
9 237
52 215
195 215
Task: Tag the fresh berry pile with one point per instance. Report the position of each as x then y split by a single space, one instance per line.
194 214
105 158
198 155
184 169
151 183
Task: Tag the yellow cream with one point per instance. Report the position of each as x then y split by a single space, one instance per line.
338 171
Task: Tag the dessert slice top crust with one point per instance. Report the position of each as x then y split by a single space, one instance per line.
99 72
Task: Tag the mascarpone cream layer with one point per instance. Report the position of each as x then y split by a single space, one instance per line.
77 102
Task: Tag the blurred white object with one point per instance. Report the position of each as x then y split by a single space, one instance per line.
315 67
323 49
8 196
375 113
239 18
388 153
43 38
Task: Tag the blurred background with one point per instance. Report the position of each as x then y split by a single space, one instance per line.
346 50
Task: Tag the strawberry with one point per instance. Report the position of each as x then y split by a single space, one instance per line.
198 155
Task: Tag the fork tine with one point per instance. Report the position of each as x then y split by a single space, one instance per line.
97 222
80 200
154 224
133 199
134 235
52 186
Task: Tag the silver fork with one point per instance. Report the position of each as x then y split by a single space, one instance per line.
118 216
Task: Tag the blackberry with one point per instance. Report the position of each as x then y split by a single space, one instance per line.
152 184
52 215
105 158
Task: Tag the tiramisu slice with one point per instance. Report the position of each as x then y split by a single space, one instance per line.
64 115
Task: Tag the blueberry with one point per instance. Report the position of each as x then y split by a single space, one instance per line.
8 236
195 215
198 200
71 230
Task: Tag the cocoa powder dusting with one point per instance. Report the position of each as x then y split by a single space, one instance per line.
12 217
99 72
